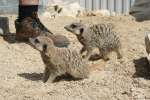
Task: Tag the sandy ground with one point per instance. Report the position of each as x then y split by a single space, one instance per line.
21 67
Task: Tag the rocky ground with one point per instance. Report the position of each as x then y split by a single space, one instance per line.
21 67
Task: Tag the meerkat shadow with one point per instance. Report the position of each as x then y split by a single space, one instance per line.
95 57
10 38
39 77
32 76
66 77
142 68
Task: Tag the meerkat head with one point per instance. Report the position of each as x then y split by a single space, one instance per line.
76 28
41 43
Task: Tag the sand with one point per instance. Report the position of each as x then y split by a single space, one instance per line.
21 67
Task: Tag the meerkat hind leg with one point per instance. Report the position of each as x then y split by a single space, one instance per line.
46 75
88 54
52 77
119 55
104 54
82 50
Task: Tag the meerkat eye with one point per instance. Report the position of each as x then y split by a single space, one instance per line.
73 26
36 41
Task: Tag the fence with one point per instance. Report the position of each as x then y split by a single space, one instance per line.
118 6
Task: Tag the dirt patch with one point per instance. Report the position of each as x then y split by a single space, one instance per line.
21 67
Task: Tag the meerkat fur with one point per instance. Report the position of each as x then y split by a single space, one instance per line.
59 61
99 36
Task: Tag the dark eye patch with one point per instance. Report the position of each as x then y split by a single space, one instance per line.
44 47
73 26
36 41
81 30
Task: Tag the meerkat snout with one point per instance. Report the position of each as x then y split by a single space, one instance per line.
39 43
76 28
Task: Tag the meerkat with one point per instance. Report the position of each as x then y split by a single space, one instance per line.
59 61
99 36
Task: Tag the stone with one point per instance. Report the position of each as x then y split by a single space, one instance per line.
4 24
1 32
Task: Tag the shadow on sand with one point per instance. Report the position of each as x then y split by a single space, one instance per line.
39 76
31 76
142 68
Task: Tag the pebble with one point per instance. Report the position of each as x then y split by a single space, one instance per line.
1 31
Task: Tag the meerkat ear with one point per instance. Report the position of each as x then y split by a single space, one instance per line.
44 47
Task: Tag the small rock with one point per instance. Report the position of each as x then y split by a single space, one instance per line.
1 32
4 24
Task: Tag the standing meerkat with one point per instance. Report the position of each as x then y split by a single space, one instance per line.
59 61
98 36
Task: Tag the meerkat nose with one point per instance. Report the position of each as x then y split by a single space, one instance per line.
66 27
